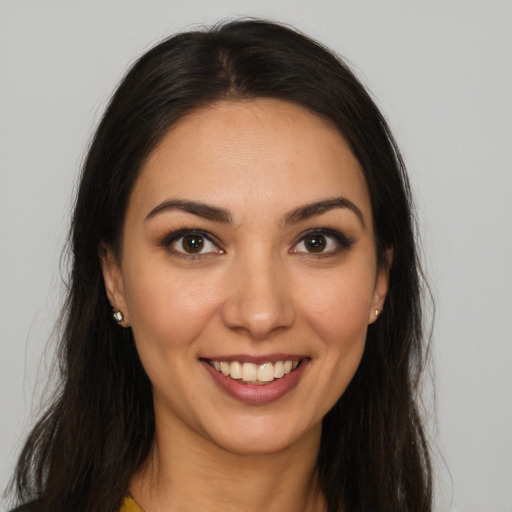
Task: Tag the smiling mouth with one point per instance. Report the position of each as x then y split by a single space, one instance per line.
251 373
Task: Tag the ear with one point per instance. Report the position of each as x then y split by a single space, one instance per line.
381 287
114 282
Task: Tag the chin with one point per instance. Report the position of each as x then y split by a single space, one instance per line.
263 436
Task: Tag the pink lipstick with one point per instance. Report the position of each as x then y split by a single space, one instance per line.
256 380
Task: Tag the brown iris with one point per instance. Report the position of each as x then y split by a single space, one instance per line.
192 243
315 243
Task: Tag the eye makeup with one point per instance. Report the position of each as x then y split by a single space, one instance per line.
190 243
322 242
194 243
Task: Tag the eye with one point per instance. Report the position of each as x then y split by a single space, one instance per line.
322 241
190 243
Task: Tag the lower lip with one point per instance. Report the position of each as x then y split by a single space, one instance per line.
257 394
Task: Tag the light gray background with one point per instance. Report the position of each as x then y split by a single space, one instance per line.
441 71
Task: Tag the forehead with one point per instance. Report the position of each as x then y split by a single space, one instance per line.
249 155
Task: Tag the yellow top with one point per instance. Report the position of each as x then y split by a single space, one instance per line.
130 505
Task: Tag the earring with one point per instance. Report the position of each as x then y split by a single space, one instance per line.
118 317
377 312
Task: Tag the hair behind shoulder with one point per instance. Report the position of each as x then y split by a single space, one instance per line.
100 428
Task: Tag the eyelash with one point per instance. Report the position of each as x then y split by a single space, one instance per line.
175 236
342 242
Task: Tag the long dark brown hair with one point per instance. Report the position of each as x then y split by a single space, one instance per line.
100 427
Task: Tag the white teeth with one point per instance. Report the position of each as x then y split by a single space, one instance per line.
266 372
250 372
235 370
278 369
224 368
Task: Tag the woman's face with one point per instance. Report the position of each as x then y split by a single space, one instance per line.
248 273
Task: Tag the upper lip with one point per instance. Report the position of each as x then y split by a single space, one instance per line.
246 358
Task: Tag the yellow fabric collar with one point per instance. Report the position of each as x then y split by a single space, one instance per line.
130 505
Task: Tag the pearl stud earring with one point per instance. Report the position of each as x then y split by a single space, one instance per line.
118 316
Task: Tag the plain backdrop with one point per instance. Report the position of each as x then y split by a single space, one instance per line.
441 72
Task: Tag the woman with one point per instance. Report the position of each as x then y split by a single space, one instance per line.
243 328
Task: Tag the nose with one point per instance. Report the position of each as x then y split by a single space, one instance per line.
259 300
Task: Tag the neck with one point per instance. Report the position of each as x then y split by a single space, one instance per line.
188 472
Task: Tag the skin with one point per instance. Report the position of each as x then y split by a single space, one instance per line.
256 289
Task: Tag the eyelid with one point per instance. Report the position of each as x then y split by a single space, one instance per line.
168 240
343 242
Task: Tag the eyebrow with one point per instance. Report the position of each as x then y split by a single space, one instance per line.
317 208
200 209
217 214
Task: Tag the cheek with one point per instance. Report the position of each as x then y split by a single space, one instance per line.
168 311
338 307
335 311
